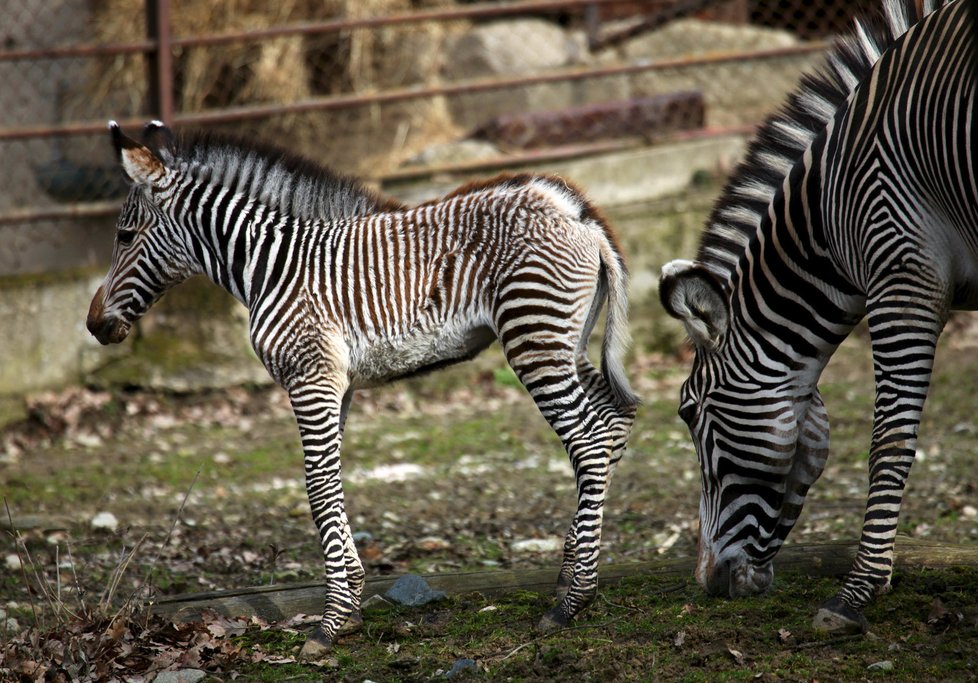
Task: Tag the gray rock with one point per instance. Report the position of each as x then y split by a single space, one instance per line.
411 590
460 666
180 676
508 48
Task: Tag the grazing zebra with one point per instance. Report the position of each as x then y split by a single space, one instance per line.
859 199
346 289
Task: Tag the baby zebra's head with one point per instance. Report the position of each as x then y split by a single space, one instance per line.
146 260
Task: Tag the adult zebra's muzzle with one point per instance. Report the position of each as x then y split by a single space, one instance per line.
735 577
107 329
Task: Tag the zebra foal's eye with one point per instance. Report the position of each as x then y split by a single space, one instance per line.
687 411
126 237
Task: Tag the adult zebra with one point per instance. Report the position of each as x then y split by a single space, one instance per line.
346 289
859 199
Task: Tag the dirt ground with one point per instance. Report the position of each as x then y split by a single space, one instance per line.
451 472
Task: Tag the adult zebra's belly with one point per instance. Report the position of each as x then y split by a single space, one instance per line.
385 359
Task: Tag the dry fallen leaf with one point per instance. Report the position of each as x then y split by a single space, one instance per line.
783 635
736 654
679 639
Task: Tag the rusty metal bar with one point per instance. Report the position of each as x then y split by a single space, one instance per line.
60 212
477 85
159 62
80 50
110 208
475 11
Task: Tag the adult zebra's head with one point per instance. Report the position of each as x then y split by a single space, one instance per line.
760 431
145 262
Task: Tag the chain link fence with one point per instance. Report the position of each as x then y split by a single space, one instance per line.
371 87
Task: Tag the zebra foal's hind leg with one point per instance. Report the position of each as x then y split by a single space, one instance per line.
619 420
549 374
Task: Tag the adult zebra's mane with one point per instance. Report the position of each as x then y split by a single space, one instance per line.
784 137
280 179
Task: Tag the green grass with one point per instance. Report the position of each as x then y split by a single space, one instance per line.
652 628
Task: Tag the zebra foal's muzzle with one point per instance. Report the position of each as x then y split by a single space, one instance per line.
108 330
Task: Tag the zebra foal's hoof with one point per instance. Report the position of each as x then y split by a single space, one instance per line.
554 620
835 616
353 625
317 647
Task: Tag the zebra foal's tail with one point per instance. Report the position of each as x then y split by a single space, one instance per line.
614 279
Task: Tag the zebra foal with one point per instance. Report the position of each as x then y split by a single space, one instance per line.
347 289
859 199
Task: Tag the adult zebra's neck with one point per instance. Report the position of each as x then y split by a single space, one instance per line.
789 301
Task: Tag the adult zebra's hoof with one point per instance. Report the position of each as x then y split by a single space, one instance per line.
554 620
835 616
317 647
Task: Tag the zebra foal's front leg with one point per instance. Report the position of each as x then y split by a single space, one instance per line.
320 411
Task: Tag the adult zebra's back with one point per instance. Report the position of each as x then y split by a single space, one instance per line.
860 199
346 289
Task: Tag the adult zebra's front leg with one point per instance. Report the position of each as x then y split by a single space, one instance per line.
320 411
904 329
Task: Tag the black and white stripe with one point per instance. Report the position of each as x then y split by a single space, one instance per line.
860 199
346 289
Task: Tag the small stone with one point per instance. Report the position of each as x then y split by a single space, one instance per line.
12 562
11 625
376 603
105 520
459 666
969 511
362 537
180 676
885 665
537 545
411 590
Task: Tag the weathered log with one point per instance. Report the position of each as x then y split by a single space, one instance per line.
276 603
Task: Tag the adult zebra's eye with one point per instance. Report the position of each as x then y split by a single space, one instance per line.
687 412
126 237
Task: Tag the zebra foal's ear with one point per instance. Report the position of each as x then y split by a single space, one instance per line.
139 163
692 293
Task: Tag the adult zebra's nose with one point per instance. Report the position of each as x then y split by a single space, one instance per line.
737 577
717 580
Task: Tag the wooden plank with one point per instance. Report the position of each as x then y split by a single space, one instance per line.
276 603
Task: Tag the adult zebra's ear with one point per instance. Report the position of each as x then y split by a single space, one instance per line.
139 163
691 293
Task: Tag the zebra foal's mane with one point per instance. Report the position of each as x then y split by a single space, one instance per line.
280 179
785 136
